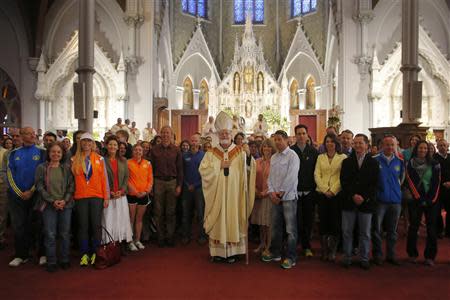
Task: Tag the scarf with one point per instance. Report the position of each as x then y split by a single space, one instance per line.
420 165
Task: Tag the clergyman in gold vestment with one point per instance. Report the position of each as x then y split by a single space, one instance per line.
228 181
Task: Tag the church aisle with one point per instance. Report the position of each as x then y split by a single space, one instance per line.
186 273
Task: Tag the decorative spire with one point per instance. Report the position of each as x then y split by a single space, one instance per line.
236 48
248 26
121 67
42 66
199 22
375 62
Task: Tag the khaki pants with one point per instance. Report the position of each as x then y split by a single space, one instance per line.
165 208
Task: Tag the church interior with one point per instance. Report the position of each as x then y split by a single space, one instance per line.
369 66
319 62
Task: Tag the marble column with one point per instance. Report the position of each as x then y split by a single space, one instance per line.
412 88
86 61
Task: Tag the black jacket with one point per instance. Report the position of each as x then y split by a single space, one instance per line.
362 181
445 167
308 160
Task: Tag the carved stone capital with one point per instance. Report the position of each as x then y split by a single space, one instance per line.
364 62
133 63
363 17
134 20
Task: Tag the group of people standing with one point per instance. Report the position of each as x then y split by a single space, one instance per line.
108 186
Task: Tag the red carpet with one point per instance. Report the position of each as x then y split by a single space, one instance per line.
186 273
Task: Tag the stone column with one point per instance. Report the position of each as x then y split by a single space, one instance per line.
412 89
86 61
363 17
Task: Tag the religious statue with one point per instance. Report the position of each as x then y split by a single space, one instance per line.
293 94
248 78
260 82
248 109
310 94
188 95
203 97
237 83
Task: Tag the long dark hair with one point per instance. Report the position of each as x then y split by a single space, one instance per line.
416 147
335 141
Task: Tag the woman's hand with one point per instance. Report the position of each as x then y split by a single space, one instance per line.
105 203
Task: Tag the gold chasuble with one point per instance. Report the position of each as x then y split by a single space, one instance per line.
228 199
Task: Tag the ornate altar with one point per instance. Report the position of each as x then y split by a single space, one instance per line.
249 88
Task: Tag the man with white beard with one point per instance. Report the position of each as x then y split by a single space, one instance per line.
228 181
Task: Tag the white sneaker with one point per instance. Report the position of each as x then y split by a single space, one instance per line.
42 260
132 247
17 262
139 245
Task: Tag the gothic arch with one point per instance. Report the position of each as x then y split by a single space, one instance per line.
55 87
10 106
116 33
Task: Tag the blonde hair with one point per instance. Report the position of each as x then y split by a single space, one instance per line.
78 165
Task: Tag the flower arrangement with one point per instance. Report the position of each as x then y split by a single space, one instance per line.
334 117
274 120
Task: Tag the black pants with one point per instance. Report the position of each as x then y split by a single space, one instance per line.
415 216
89 214
27 226
329 215
305 218
444 203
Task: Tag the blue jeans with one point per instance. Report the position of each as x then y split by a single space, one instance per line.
57 221
387 214
349 218
284 213
188 201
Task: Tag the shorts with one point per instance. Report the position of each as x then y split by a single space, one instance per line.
139 201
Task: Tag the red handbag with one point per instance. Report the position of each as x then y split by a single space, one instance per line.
108 254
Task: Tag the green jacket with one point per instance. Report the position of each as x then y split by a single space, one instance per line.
41 177
122 167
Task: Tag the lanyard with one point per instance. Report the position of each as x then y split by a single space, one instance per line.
88 173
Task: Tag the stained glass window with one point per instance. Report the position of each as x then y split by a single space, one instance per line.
254 8
201 8
306 8
296 8
302 7
195 7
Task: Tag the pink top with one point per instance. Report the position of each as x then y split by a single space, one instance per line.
262 174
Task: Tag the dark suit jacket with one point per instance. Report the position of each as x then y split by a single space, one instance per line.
362 181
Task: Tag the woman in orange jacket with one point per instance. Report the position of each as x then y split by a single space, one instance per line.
140 183
91 195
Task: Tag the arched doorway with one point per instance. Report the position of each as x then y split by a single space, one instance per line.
10 108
